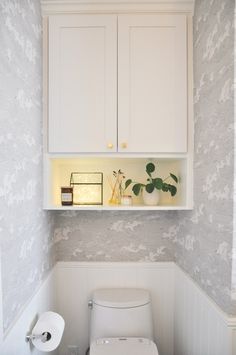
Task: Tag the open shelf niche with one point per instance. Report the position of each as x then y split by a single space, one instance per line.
58 170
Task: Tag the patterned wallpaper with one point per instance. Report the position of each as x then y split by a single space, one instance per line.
26 231
234 236
210 227
113 236
200 241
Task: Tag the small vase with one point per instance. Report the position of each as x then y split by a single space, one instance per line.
151 199
126 200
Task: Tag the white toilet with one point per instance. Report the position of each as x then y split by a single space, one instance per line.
121 323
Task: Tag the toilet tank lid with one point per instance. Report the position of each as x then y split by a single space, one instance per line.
121 297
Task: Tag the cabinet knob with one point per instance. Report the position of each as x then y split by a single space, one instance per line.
124 145
110 145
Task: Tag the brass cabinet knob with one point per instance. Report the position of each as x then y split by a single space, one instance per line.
110 145
124 145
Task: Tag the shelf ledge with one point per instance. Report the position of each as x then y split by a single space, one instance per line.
117 208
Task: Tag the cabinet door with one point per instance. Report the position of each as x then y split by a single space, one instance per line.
152 83
82 83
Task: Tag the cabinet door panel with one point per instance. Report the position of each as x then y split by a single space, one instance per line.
82 83
152 83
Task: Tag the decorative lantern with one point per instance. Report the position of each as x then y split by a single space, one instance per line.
87 188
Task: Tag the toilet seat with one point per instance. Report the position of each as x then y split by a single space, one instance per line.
123 346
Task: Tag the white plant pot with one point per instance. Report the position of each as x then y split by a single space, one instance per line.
151 199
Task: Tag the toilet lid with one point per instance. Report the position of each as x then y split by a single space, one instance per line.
121 297
124 346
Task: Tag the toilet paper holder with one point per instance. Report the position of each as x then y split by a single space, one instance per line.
44 337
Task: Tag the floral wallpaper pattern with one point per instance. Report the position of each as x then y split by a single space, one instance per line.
200 241
25 229
112 236
234 236
211 223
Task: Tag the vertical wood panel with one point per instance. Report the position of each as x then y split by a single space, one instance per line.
200 327
186 321
75 284
43 300
234 341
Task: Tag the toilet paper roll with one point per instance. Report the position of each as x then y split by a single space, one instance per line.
51 323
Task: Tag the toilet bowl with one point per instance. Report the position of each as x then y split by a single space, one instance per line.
121 323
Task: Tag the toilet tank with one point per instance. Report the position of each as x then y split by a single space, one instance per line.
121 312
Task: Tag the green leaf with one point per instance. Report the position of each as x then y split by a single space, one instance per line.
150 188
136 189
127 183
174 177
150 168
172 190
165 187
158 182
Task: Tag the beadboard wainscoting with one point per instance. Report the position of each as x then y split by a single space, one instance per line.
200 327
76 282
13 342
186 320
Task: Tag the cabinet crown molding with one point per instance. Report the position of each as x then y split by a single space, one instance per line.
50 7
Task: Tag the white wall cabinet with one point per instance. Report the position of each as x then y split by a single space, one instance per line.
118 93
152 83
82 83
145 56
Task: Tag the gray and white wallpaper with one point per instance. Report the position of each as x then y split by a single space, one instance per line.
113 236
234 236
200 241
25 229
210 226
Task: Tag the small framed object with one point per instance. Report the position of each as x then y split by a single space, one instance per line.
87 188
66 195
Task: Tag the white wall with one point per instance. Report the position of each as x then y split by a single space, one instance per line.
186 320
76 281
201 328
43 300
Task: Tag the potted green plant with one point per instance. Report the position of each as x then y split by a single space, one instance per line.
151 189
